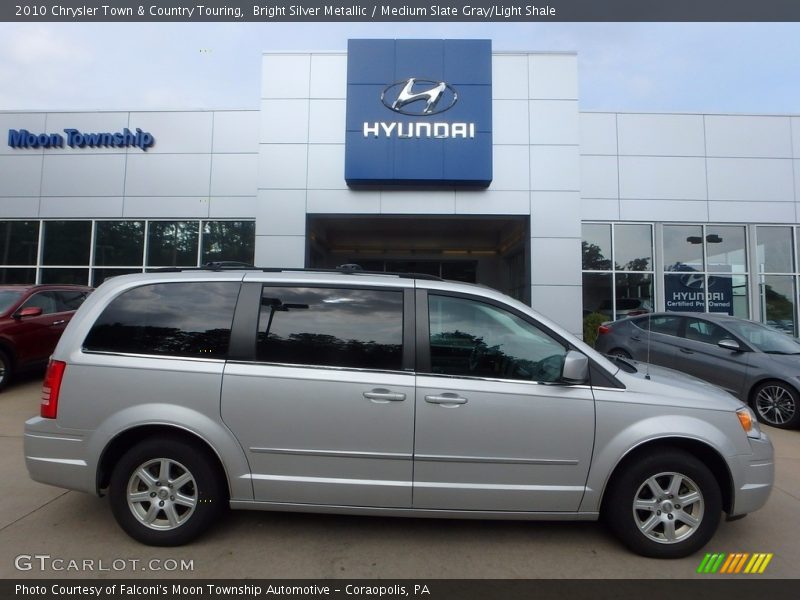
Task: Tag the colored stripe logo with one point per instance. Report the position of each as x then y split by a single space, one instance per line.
735 563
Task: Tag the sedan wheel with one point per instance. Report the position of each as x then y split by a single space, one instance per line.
776 405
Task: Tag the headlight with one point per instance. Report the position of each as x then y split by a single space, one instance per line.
748 422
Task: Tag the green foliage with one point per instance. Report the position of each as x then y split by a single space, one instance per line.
590 324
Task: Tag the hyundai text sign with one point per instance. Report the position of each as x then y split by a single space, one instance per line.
419 113
22 138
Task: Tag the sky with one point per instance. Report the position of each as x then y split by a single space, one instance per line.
658 67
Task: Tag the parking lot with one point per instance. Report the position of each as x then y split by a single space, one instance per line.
49 527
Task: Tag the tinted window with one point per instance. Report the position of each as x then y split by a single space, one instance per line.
47 301
8 298
172 243
71 300
66 243
703 331
475 339
119 243
176 319
663 324
229 240
331 327
19 242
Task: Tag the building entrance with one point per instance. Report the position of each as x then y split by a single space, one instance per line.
493 251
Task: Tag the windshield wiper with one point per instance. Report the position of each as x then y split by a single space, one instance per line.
625 364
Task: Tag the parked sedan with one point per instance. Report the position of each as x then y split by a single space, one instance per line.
32 318
758 364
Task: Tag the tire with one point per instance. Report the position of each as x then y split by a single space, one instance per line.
662 527
191 472
777 404
6 369
620 352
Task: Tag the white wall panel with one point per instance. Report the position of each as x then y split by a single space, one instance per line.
752 212
599 177
510 122
492 202
234 174
555 168
171 207
233 207
796 180
79 175
326 167
555 214
326 123
281 212
561 303
510 76
285 75
441 202
663 210
168 175
80 207
553 76
19 207
796 137
284 121
661 135
510 168
280 251
343 201
598 133
20 175
282 166
33 122
750 179
236 131
594 209
554 122
328 76
669 178
556 261
748 136
174 131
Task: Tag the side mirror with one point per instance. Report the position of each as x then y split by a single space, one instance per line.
28 311
576 368
731 345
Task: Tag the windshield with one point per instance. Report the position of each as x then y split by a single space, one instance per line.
765 339
8 298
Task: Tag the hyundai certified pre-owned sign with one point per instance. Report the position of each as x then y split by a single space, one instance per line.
419 113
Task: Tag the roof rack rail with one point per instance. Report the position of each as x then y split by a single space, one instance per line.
346 269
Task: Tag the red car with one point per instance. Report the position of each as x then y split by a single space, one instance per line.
32 318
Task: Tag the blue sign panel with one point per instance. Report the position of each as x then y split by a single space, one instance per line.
419 113
687 293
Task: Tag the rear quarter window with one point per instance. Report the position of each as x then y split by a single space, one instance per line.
168 319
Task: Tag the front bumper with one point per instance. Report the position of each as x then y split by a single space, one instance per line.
753 477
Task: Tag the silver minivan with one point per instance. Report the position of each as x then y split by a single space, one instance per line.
178 394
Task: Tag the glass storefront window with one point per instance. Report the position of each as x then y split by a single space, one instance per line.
19 242
778 302
100 275
726 249
66 243
229 241
172 244
119 243
634 294
633 247
598 294
596 246
8 275
683 247
72 276
774 249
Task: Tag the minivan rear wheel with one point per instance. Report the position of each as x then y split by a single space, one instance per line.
166 492
665 505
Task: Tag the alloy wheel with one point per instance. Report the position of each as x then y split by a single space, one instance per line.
668 507
162 494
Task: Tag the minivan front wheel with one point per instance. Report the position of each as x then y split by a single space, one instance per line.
667 505
165 492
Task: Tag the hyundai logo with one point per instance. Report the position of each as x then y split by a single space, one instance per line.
419 97
694 281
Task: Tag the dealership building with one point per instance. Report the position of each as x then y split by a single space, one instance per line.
432 156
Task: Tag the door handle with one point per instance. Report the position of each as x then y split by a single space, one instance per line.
636 338
381 395
446 399
687 351
59 322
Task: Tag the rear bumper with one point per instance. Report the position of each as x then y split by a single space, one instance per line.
57 458
753 476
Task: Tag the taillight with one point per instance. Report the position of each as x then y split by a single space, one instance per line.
603 329
51 387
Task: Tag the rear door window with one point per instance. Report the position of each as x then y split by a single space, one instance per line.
666 325
355 328
173 319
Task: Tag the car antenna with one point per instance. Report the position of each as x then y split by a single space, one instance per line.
647 364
